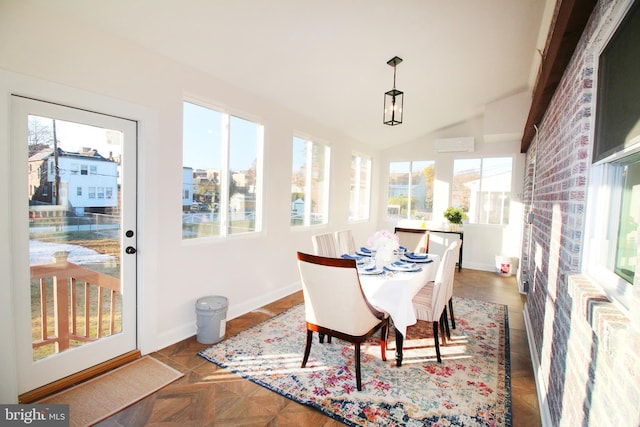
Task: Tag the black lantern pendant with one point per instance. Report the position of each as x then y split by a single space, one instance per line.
393 99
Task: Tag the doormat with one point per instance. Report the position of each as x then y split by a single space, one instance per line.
103 396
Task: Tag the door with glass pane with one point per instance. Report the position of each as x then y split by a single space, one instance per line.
74 239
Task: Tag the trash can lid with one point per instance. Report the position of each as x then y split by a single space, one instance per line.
211 303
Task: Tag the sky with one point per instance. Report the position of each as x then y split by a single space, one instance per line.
72 136
202 139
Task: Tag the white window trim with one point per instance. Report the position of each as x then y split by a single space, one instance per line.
362 218
225 178
599 248
309 142
601 228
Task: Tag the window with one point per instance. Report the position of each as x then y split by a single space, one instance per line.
74 168
109 192
221 160
613 203
612 224
360 188
100 192
92 192
482 188
84 170
93 170
79 191
309 183
410 190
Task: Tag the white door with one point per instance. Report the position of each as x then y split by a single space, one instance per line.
74 238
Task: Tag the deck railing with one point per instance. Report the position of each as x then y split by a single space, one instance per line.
73 311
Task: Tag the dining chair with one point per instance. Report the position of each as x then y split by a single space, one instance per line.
324 245
455 246
351 317
415 240
346 243
430 303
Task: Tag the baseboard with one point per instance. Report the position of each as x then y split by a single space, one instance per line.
543 402
189 329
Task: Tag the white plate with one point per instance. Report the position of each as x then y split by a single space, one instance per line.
370 272
418 261
403 267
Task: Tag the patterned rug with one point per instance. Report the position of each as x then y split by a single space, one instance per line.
471 387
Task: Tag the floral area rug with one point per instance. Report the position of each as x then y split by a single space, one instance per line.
471 387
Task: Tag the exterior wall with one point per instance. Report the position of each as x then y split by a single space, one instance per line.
106 176
585 350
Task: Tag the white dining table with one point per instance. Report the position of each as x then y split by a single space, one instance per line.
393 292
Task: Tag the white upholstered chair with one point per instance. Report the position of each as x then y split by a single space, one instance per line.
430 303
324 245
350 317
455 247
346 243
415 240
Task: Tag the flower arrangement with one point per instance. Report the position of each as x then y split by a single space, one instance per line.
454 215
383 239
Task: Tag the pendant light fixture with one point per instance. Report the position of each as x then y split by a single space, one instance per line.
393 99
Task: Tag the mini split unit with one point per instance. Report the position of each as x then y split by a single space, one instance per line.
454 145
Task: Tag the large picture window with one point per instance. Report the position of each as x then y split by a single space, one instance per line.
222 155
309 183
410 190
482 188
360 194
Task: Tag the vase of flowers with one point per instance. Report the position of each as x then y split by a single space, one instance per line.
455 217
385 244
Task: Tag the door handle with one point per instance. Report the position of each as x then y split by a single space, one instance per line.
130 250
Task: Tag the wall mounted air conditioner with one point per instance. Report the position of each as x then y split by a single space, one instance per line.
453 145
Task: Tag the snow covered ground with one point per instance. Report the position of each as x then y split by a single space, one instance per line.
42 253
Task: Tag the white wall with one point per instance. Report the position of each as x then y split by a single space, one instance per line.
51 58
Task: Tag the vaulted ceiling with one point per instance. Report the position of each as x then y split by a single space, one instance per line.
328 60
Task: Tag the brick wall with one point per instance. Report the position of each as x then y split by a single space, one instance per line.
587 351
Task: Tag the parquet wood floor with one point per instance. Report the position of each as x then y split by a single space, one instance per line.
210 396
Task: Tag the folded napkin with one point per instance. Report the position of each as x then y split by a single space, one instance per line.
365 250
402 264
414 255
347 256
402 249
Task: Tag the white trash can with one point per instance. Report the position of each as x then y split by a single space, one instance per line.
211 315
506 265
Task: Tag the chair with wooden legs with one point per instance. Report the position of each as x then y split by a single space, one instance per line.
415 240
455 247
346 243
324 245
350 317
430 303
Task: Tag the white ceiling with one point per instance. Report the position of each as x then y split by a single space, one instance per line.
327 59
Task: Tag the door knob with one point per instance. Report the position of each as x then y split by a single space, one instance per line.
130 250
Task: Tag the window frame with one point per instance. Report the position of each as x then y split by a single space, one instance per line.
224 175
410 191
307 213
598 255
356 187
474 219
602 223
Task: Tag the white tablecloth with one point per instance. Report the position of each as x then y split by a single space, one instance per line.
393 293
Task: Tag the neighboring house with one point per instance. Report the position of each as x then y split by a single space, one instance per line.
88 182
187 188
